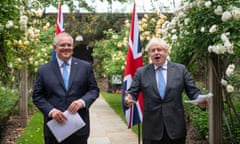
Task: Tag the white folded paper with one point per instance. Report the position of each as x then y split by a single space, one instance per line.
200 98
62 131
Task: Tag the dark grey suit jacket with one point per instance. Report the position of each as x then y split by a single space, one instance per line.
49 91
168 111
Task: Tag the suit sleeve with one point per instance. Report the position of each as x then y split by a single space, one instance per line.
38 95
190 88
93 91
135 85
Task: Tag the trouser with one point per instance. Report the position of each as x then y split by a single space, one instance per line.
74 139
165 140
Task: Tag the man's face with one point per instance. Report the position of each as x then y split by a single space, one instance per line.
157 54
64 48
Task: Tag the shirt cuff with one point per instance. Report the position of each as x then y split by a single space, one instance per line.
83 102
50 113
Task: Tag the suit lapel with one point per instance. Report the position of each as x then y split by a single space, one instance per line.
170 75
57 72
74 69
152 77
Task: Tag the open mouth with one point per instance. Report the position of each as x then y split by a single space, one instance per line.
157 58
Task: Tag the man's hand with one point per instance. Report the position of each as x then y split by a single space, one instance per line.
58 116
203 105
75 106
128 99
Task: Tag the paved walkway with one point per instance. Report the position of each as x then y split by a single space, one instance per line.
107 127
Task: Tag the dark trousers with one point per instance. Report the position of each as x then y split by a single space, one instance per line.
168 141
70 140
165 140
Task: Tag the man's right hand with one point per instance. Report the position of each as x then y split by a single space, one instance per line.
58 116
128 99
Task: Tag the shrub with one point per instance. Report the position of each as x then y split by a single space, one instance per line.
8 101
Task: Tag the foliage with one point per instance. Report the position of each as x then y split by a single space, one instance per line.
107 53
22 34
110 53
33 133
231 119
26 33
8 100
231 113
199 119
91 25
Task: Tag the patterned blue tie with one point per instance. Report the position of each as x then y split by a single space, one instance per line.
65 74
161 83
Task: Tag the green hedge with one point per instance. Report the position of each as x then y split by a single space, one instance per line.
8 102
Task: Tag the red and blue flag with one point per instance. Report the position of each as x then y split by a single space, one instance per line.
59 26
133 114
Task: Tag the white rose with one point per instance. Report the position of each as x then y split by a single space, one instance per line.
213 29
208 4
226 16
218 10
236 13
230 70
224 82
9 24
230 88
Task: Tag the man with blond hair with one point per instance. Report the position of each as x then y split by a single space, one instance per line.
162 83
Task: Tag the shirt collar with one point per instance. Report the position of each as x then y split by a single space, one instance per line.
164 66
60 62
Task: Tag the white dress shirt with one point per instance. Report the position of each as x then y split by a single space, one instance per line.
164 72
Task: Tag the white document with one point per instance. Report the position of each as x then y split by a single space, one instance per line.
62 131
200 98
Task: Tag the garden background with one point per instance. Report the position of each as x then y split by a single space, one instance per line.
202 34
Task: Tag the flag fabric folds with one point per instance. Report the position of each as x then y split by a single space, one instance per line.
133 114
60 22
59 25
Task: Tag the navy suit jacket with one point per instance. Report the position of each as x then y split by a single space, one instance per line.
168 112
49 91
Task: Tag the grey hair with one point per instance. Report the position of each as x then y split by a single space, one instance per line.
156 41
62 34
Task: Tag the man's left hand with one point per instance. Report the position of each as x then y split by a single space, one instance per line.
75 106
203 105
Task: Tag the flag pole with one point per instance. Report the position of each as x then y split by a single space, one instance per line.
139 133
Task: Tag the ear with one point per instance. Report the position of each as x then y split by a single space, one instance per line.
54 46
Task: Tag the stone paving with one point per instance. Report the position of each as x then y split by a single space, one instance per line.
107 127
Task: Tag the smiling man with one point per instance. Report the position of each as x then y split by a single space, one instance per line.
162 83
65 83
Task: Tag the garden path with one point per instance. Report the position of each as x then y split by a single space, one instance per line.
107 127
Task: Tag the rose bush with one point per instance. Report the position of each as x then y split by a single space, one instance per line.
209 28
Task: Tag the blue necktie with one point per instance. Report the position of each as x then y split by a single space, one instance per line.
65 74
161 83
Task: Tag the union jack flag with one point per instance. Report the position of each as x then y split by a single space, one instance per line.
60 22
133 114
59 26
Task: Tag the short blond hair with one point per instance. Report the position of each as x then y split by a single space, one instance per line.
156 41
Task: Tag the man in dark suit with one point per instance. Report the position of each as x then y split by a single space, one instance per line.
53 94
163 116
